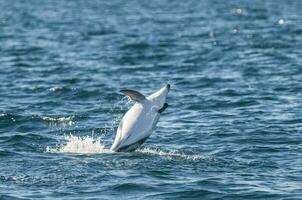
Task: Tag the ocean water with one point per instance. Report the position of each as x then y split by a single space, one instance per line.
233 129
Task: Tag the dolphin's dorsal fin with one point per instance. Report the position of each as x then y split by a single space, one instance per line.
134 95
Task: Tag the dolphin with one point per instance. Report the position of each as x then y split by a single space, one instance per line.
140 120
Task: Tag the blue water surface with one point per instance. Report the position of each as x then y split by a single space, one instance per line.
233 128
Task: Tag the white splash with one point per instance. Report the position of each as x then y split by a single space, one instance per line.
122 104
170 155
80 145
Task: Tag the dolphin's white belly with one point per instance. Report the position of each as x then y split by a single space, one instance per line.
136 125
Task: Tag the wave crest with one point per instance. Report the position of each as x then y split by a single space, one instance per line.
171 155
68 120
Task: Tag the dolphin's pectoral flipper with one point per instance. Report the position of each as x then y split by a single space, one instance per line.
163 108
134 95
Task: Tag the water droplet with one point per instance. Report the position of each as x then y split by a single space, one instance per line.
211 34
239 11
281 21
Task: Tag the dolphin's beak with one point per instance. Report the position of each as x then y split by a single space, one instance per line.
168 86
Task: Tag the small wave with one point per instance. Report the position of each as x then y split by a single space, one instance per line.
56 88
19 179
61 89
3 114
171 155
63 120
80 145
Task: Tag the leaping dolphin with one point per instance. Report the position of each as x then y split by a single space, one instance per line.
140 120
